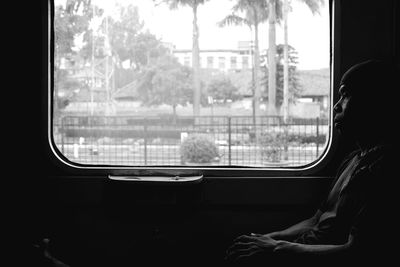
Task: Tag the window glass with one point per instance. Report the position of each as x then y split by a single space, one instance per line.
245 62
130 88
210 62
221 63
187 61
233 63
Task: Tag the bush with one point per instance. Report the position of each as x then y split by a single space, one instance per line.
306 139
320 139
199 149
272 146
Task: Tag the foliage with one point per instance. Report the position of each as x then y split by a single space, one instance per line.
221 88
199 149
250 13
313 5
307 139
66 88
294 84
165 82
124 31
174 4
141 49
128 40
146 49
272 146
242 79
70 22
254 14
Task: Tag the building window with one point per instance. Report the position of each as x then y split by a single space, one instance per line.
210 62
186 61
221 63
233 63
245 62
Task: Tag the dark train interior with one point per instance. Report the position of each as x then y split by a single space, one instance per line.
101 216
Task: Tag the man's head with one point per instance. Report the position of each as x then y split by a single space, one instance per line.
367 99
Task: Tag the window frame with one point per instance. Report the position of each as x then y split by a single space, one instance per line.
310 169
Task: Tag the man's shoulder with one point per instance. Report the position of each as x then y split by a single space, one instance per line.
348 159
381 158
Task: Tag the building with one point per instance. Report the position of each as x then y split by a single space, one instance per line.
315 95
219 59
315 86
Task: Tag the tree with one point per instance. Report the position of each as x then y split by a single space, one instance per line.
146 48
69 22
165 82
222 89
124 32
294 85
274 16
254 14
80 20
193 4
121 39
143 52
128 41
314 6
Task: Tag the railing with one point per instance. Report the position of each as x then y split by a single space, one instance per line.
147 141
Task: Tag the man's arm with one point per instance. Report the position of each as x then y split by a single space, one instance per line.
247 246
294 231
313 250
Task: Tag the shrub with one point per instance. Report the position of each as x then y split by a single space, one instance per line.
199 149
320 139
306 139
272 146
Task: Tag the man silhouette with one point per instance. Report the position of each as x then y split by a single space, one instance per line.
357 220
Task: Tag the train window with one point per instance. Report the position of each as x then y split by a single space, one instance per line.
129 87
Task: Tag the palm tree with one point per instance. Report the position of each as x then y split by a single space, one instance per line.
285 62
261 10
194 4
314 6
254 14
273 10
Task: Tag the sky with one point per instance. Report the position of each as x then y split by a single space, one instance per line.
308 33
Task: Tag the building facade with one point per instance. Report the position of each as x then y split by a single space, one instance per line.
220 59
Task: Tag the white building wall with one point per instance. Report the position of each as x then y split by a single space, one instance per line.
243 59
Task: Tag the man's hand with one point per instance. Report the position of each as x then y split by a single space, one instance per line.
249 246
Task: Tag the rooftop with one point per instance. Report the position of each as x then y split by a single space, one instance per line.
315 82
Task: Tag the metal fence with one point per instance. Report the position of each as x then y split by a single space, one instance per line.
156 141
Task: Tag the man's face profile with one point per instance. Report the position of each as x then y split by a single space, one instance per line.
352 111
342 109
362 108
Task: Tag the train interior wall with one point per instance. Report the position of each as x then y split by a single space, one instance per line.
92 221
